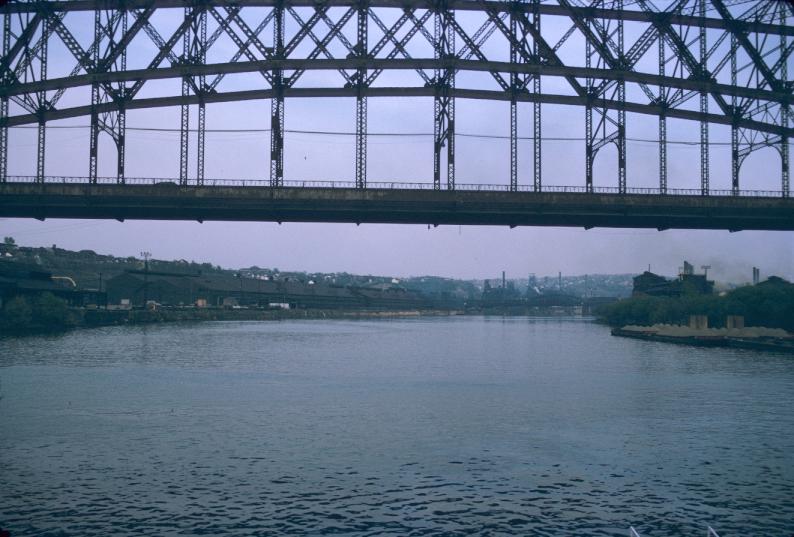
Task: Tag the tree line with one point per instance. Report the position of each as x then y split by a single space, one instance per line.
36 313
770 304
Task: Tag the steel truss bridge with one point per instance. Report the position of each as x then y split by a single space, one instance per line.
709 62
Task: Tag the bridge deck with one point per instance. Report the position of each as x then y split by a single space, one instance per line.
398 206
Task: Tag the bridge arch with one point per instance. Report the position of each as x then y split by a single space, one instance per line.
610 59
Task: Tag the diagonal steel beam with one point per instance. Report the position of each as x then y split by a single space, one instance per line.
474 49
322 44
545 50
399 46
242 49
165 50
694 66
737 28
22 42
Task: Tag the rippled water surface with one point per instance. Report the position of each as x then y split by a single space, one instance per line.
411 427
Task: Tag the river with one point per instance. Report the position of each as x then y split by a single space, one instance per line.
428 426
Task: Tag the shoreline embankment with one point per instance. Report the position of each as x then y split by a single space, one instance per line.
102 317
84 318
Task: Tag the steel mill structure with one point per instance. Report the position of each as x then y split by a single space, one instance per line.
710 62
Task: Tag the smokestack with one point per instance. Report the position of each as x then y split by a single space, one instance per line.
559 280
504 285
756 275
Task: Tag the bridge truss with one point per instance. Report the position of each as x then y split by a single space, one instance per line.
707 61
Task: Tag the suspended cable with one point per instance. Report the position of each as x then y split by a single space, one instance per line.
381 134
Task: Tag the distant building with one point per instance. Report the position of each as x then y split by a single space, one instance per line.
651 284
19 279
687 283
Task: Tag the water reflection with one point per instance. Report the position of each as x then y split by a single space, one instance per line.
422 426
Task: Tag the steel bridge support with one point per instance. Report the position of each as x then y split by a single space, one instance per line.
704 107
662 123
277 102
201 54
41 145
735 158
112 122
444 102
521 52
184 112
361 98
4 102
784 116
596 135
784 155
93 149
194 52
621 133
514 87
536 117
121 126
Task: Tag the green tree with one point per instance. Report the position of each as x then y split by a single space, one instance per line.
17 314
9 241
50 311
769 304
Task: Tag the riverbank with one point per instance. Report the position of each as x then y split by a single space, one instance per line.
93 318
760 339
102 317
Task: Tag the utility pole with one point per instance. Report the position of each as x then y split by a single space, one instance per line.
146 256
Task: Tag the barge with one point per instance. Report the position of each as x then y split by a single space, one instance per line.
756 338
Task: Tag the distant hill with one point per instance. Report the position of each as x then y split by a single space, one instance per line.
88 268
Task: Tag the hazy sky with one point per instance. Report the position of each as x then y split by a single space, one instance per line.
466 252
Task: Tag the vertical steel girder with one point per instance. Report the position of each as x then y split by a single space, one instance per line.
184 112
514 105
444 102
589 153
202 109
194 41
784 116
735 162
277 103
121 138
4 101
121 145
596 135
704 108
93 149
361 49
42 105
662 123
745 141
520 52
114 122
621 134
536 117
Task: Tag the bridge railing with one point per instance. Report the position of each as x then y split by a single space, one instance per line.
396 185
